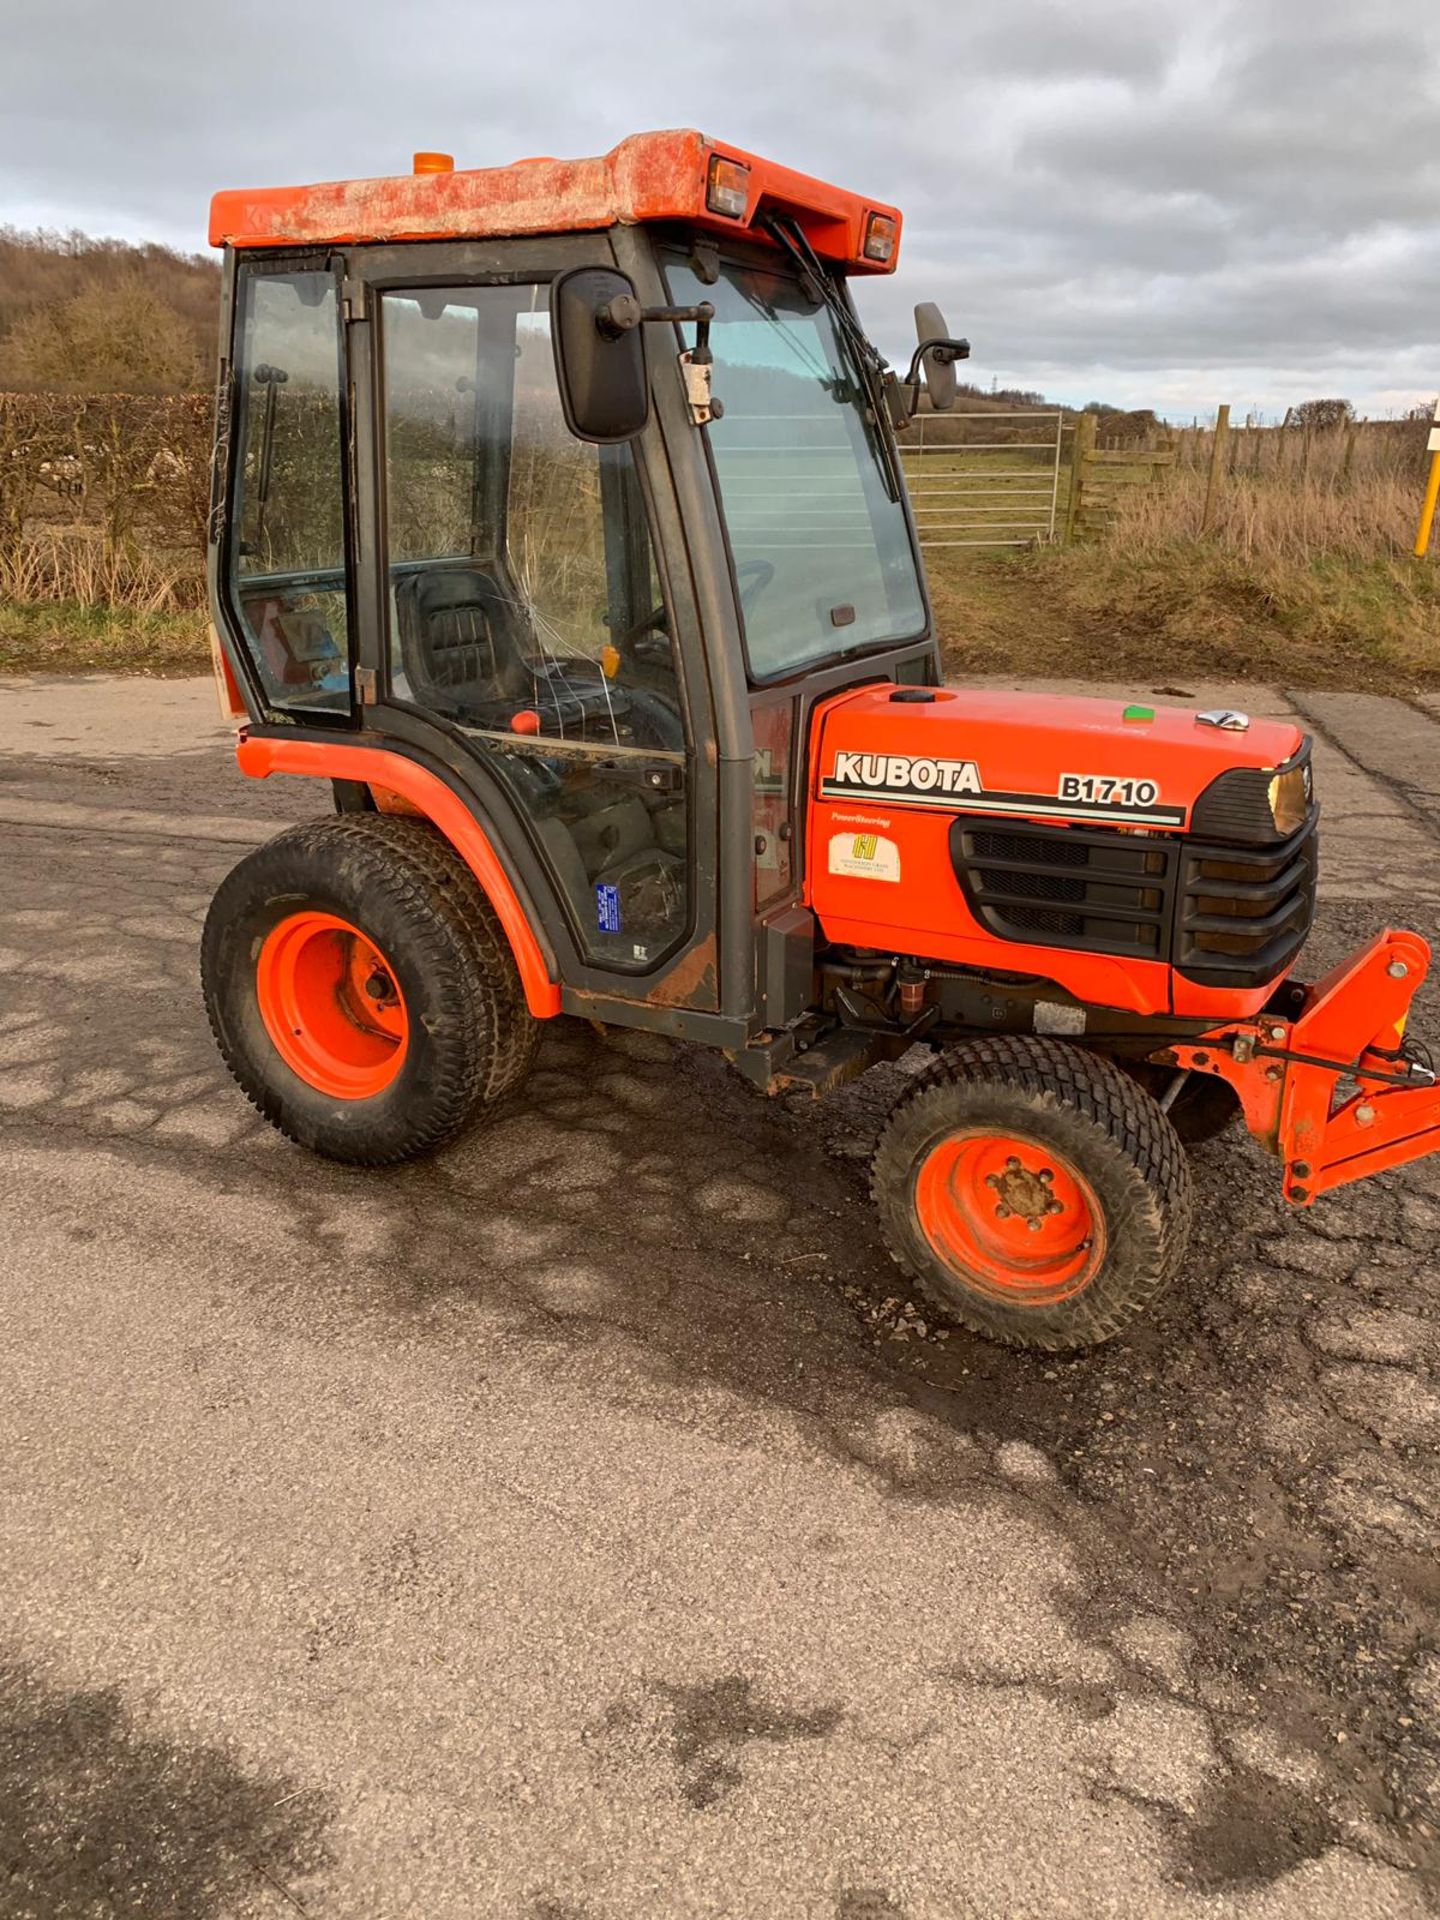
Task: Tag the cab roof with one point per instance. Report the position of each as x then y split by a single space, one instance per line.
649 176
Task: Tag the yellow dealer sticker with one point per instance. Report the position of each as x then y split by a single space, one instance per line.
864 856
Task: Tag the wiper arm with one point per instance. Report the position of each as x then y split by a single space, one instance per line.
875 370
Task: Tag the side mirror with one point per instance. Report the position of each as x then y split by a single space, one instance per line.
937 353
599 354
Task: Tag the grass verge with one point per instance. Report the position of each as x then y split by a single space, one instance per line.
58 636
1188 607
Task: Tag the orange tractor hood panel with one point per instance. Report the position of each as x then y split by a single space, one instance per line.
650 176
1035 756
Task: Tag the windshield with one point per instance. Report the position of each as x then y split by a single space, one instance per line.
822 551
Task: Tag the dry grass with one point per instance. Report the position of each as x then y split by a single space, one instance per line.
76 566
1272 520
1301 580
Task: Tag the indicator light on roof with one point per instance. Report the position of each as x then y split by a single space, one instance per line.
880 237
727 187
434 163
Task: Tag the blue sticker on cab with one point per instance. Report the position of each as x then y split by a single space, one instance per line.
607 907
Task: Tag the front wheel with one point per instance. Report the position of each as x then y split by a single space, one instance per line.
1033 1192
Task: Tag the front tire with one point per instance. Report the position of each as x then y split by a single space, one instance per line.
361 990
1033 1192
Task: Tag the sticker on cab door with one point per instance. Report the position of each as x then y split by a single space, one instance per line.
864 856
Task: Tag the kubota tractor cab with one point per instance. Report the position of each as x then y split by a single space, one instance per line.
559 526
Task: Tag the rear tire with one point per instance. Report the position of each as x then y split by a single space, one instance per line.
361 989
1033 1192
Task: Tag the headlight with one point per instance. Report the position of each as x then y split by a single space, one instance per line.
727 187
1250 806
1290 794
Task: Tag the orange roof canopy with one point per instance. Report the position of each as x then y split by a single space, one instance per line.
650 176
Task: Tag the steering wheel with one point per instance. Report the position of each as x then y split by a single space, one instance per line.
761 574
648 637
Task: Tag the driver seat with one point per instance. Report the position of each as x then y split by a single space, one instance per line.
461 634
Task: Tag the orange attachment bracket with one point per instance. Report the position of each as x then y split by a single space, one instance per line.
433 800
1288 1070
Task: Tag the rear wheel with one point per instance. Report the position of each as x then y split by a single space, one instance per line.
1033 1192
361 990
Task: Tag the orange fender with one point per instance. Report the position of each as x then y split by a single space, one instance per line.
434 801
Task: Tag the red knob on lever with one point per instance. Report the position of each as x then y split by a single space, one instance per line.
526 721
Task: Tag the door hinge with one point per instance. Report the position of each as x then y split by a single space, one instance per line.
353 299
367 687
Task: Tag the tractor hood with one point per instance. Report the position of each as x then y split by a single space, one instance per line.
1038 756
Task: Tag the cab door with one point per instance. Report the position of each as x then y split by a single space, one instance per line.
530 617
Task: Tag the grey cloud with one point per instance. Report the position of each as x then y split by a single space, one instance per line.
1131 197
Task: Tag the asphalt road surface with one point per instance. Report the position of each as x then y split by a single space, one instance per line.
587 1523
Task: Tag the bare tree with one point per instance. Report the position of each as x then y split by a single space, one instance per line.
1321 415
124 339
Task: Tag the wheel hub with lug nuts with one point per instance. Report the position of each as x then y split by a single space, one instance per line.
1010 1216
1024 1192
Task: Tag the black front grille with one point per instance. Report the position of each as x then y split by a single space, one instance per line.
1221 915
1245 912
1103 890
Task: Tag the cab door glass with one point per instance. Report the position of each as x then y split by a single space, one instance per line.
526 610
288 588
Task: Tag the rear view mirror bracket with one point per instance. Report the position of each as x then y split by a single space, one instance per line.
597 326
697 363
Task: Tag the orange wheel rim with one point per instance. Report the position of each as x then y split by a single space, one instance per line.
1010 1216
332 1006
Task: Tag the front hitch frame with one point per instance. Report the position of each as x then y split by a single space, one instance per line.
1326 1084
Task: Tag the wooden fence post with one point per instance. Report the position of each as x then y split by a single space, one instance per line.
1083 444
1217 466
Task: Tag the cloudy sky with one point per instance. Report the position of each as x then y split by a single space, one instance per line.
1155 202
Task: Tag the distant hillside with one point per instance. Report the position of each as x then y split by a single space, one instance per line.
46 272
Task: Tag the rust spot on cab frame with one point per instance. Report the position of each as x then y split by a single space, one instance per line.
692 983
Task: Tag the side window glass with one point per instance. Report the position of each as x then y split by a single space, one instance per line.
287 557
525 606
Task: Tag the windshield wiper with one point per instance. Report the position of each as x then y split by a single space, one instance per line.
875 370
874 367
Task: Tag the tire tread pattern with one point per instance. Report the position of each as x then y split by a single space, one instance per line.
492 1035
1111 1118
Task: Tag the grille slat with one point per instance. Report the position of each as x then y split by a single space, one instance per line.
1061 887
1221 915
1246 912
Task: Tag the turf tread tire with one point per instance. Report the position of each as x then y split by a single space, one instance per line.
1086 1107
472 1037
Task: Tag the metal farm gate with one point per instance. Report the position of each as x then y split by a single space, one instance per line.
984 479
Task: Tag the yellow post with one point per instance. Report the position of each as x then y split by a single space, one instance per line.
1432 492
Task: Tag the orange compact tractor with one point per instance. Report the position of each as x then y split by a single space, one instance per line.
558 524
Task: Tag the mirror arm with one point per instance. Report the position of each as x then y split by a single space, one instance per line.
618 316
947 352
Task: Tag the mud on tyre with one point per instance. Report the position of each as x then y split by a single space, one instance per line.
1033 1192
361 990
